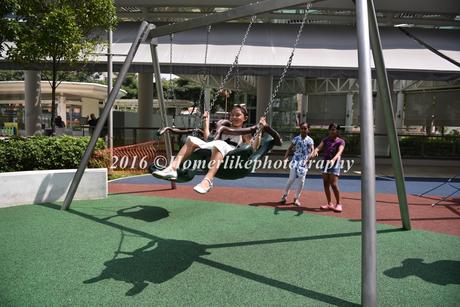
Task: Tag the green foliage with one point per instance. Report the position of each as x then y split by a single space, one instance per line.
42 153
79 76
8 27
183 89
130 86
410 146
71 76
447 146
11 75
53 32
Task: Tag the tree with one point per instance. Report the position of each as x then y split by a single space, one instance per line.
11 75
130 86
54 33
7 26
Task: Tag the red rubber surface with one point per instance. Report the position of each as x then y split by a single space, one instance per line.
443 218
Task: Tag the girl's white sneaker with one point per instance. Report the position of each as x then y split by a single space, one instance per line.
202 190
167 174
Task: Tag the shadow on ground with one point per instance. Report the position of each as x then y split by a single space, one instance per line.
162 259
279 207
144 213
443 272
156 262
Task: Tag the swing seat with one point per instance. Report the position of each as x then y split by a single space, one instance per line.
237 164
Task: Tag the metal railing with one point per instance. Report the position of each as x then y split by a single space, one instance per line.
412 146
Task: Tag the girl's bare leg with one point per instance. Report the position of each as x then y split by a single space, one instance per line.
327 184
183 153
335 187
217 159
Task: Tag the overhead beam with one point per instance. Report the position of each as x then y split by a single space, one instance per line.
412 6
183 3
236 13
336 19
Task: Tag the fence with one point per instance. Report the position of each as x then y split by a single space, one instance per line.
417 146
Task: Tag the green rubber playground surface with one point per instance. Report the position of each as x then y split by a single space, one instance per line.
137 250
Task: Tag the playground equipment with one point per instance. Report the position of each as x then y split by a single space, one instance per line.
245 152
446 197
368 35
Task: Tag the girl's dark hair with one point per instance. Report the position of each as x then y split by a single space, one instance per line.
304 123
243 109
334 125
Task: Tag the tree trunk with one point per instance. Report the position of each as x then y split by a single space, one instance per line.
53 97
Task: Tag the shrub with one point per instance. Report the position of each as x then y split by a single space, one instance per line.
42 153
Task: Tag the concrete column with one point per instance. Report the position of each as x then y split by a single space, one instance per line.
349 113
382 147
304 108
32 99
207 98
62 108
264 92
400 111
145 106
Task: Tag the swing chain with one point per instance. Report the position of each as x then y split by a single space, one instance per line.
171 92
286 68
237 83
195 131
230 70
235 62
205 82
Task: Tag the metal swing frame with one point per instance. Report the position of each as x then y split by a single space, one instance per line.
368 35
446 197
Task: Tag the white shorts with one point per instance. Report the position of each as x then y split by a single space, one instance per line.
223 147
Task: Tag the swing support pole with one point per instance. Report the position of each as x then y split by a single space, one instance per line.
385 98
161 101
140 37
368 249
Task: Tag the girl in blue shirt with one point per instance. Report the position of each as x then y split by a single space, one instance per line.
302 146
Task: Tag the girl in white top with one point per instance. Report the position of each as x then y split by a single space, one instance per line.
302 147
220 147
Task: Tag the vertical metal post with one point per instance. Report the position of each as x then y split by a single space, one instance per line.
368 252
386 99
109 89
161 101
141 36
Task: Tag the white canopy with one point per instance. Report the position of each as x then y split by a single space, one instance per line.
329 51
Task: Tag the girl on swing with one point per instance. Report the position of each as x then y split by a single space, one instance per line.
229 135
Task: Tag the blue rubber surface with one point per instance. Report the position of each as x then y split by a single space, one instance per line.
414 186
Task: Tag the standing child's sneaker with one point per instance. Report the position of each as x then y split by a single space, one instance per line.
327 207
283 199
338 208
